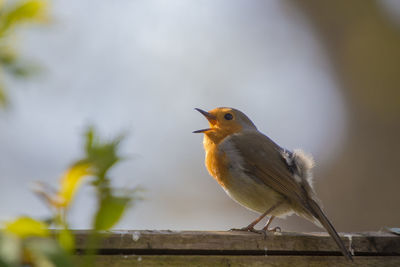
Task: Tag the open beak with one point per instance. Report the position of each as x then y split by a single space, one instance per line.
210 117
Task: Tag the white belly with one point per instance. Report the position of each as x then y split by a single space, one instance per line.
255 196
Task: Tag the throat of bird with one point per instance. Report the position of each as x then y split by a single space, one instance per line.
216 135
215 162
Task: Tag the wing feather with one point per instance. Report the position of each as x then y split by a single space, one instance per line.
263 159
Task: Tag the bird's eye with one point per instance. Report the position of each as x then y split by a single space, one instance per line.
228 116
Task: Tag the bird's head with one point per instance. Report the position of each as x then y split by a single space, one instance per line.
224 122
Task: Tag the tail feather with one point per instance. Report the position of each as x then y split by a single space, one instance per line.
321 217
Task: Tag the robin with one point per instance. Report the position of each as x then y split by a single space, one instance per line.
259 174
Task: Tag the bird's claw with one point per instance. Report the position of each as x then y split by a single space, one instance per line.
248 229
263 231
243 229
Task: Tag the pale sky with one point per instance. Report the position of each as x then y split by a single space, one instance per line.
141 67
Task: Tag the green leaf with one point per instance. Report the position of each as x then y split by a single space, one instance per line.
10 250
24 227
7 54
70 183
23 69
110 212
33 10
66 240
3 97
47 252
102 155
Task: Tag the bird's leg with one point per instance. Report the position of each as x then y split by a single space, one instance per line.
276 229
250 227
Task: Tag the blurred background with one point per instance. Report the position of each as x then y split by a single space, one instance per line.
323 76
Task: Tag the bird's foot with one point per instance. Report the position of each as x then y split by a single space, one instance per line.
239 229
248 229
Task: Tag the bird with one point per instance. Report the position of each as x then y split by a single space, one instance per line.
259 174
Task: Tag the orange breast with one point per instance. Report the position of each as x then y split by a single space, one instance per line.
217 165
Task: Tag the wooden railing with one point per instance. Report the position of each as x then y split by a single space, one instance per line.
209 248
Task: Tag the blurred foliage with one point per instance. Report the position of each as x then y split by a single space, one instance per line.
69 184
29 241
12 16
24 227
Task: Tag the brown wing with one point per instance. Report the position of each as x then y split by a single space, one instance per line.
263 160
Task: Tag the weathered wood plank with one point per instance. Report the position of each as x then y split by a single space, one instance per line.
298 261
241 243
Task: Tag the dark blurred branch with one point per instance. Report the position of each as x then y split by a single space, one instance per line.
363 43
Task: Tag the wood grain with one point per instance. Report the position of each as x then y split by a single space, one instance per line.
298 261
240 243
